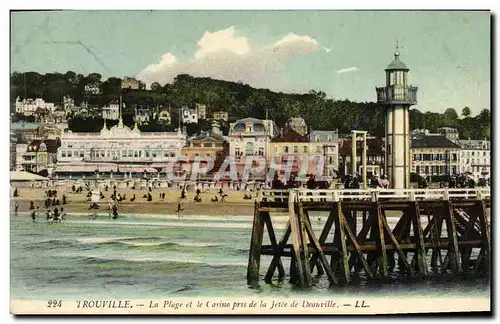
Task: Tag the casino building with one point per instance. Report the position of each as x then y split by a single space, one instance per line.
118 152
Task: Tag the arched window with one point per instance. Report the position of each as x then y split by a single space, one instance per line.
249 149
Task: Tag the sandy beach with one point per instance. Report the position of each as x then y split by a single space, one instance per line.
78 204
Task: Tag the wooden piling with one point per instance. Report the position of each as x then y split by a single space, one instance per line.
453 251
419 237
255 247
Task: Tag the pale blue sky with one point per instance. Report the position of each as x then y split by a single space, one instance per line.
448 52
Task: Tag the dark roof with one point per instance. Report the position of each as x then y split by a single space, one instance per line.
290 135
433 141
52 145
375 146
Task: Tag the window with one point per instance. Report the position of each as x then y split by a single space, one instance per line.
136 154
124 153
484 153
63 153
304 149
276 149
146 153
295 149
70 154
472 153
154 154
196 154
130 153
82 153
261 151
286 149
207 145
318 149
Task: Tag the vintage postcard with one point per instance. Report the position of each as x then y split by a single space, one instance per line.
250 162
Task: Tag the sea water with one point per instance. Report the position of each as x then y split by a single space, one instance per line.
139 257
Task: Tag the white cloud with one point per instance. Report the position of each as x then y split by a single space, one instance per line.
351 69
223 55
222 40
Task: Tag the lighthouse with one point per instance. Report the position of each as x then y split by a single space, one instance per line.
397 96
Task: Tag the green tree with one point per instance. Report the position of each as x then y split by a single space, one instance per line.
466 112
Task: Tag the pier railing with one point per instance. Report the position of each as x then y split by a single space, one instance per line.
308 195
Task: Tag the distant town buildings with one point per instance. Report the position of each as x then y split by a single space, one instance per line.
375 157
112 111
433 155
164 117
189 116
201 110
37 155
220 116
142 115
250 137
475 158
449 132
209 144
326 143
29 107
93 88
132 83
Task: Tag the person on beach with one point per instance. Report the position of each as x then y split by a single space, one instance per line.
64 199
63 215
133 198
49 216
33 216
32 205
56 215
16 208
115 211
163 196
110 207
183 193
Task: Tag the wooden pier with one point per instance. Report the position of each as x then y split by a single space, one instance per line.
437 231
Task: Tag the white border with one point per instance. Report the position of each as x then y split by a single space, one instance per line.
185 4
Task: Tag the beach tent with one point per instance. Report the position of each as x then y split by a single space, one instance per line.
25 176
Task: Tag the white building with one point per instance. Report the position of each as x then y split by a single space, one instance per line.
326 143
118 149
112 111
250 137
475 157
449 132
142 115
189 116
93 88
28 107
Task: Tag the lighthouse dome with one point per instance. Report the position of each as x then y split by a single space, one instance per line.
397 64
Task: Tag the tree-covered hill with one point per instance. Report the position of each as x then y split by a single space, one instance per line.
241 100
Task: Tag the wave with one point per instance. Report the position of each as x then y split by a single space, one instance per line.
159 262
246 225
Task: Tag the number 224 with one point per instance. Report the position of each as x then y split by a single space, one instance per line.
54 303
